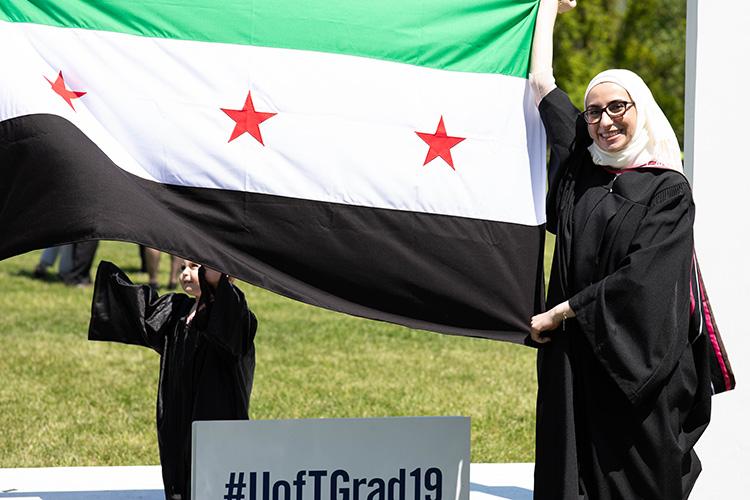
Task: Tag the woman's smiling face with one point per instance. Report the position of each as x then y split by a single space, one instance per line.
611 135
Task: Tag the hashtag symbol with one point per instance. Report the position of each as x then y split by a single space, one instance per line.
235 487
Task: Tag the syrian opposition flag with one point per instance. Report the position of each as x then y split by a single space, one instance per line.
383 159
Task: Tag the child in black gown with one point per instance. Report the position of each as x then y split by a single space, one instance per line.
205 340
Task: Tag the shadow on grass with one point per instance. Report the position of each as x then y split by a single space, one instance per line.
131 269
504 492
32 275
48 277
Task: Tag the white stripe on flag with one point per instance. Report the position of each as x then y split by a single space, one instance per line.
344 132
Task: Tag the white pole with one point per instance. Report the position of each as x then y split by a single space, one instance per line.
717 145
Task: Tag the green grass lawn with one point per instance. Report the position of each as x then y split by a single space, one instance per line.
65 401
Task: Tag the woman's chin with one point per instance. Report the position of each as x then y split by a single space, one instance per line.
614 146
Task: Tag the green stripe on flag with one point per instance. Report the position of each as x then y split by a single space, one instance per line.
480 36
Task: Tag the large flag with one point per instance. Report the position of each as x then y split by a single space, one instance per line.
383 159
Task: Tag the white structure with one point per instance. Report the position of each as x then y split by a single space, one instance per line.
487 482
716 154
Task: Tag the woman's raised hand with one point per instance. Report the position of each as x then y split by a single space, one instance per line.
565 5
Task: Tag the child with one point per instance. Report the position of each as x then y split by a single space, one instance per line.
206 347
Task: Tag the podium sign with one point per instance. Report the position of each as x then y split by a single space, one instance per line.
398 458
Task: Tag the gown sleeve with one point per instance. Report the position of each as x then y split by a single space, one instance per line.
230 325
128 313
636 318
559 117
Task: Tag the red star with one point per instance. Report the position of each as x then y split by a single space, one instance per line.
247 120
59 87
440 144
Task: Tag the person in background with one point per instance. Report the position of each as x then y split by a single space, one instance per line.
151 258
79 273
48 258
205 338
623 391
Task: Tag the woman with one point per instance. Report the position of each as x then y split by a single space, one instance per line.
623 393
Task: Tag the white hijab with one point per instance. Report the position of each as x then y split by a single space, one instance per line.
654 141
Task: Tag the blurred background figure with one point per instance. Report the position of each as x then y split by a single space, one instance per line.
48 258
142 254
79 272
151 258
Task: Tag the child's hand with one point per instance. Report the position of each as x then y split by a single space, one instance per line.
212 277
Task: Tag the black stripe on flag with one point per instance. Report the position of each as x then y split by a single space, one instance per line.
447 274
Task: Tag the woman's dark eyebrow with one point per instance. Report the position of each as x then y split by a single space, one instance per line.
591 106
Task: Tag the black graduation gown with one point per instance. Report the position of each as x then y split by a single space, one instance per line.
623 395
206 366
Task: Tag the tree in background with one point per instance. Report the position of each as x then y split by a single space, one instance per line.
584 44
652 43
645 36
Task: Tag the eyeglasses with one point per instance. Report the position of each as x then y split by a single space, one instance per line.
615 109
